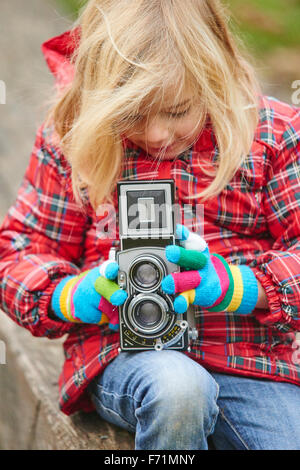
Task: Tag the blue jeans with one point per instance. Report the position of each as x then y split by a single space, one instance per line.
171 402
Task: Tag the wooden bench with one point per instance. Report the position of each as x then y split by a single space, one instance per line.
29 414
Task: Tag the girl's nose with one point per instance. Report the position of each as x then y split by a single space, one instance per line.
157 133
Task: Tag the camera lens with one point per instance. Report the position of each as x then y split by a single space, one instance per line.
148 314
145 274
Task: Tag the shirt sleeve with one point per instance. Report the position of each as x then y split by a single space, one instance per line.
278 269
41 241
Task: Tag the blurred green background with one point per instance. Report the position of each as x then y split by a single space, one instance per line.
270 30
265 24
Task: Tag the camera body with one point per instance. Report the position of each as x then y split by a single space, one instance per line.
146 226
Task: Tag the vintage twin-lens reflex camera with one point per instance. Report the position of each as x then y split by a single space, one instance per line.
146 227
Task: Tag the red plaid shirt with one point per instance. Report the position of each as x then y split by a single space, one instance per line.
254 221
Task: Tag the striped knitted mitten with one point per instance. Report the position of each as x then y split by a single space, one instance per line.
211 283
90 297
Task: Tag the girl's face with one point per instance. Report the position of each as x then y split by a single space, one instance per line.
171 131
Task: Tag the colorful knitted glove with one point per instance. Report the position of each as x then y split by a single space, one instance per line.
90 297
211 283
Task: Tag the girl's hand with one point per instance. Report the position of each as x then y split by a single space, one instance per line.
212 284
90 297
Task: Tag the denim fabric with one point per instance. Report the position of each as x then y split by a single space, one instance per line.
257 414
171 402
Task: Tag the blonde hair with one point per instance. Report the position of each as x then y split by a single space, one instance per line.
130 53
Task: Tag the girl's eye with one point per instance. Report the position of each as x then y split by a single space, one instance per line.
139 117
179 115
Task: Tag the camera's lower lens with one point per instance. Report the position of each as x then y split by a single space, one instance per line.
148 314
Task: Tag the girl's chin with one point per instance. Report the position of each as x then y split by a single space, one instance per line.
164 154
168 153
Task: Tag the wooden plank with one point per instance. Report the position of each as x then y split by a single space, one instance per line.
29 414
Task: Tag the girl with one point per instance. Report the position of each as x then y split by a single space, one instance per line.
153 90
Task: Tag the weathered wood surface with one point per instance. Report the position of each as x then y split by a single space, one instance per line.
29 414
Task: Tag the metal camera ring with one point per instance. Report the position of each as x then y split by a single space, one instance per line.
149 259
159 346
162 326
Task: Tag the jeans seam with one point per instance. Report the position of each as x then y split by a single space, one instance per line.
217 413
234 430
114 412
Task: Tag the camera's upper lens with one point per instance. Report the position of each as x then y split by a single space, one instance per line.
148 314
146 274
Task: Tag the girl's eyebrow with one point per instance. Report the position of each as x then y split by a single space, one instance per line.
178 105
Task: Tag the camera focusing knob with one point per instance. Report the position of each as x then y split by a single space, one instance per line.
122 280
193 334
